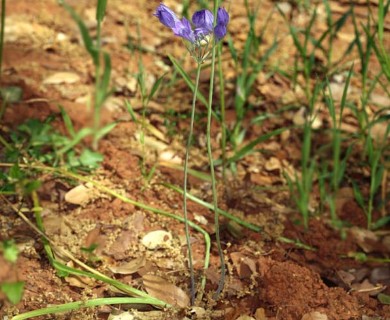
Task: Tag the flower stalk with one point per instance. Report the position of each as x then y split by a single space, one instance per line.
201 39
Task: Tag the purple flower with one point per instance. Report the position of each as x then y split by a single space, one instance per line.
203 21
220 31
222 17
222 22
166 16
183 29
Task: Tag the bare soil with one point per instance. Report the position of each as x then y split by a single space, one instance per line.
267 278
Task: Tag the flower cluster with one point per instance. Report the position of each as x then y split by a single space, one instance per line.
198 37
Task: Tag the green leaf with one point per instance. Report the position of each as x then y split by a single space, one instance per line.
248 148
13 290
381 222
76 139
31 186
358 195
130 110
88 43
90 249
15 173
105 130
10 251
67 121
188 80
155 87
232 49
11 94
106 77
90 159
384 298
101 9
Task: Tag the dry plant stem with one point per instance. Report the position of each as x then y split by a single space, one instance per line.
211 161
189 141
115 194
67 254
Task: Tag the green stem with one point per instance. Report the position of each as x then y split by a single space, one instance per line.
5 144
211 161
81 304
226 214
189 141
97 102
125 199
223 115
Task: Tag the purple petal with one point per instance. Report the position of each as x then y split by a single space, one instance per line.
183 29
222 17
201 32
166 16
203 19
220 31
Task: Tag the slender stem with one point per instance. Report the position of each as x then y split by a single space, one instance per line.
223 114
81 304
2 34
97 102
189 141
5 143
211 161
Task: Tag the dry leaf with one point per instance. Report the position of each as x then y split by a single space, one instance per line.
161 289
315 315
80 282
129 267
245 317
157 239
272 164
367 287
366 239
381 275
378 132
201 219
122 316
245 266
170 157
151 142
260 314
62 77
79 195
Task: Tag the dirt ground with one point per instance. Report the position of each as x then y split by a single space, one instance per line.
267 277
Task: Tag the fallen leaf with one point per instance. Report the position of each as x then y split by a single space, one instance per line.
384 298
380 275
367 287
79 195
198 311
169 156
129 267
260 314
366 239
161 289
157 239
62 77
201 219
122 316
245 266
315 315
272 164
